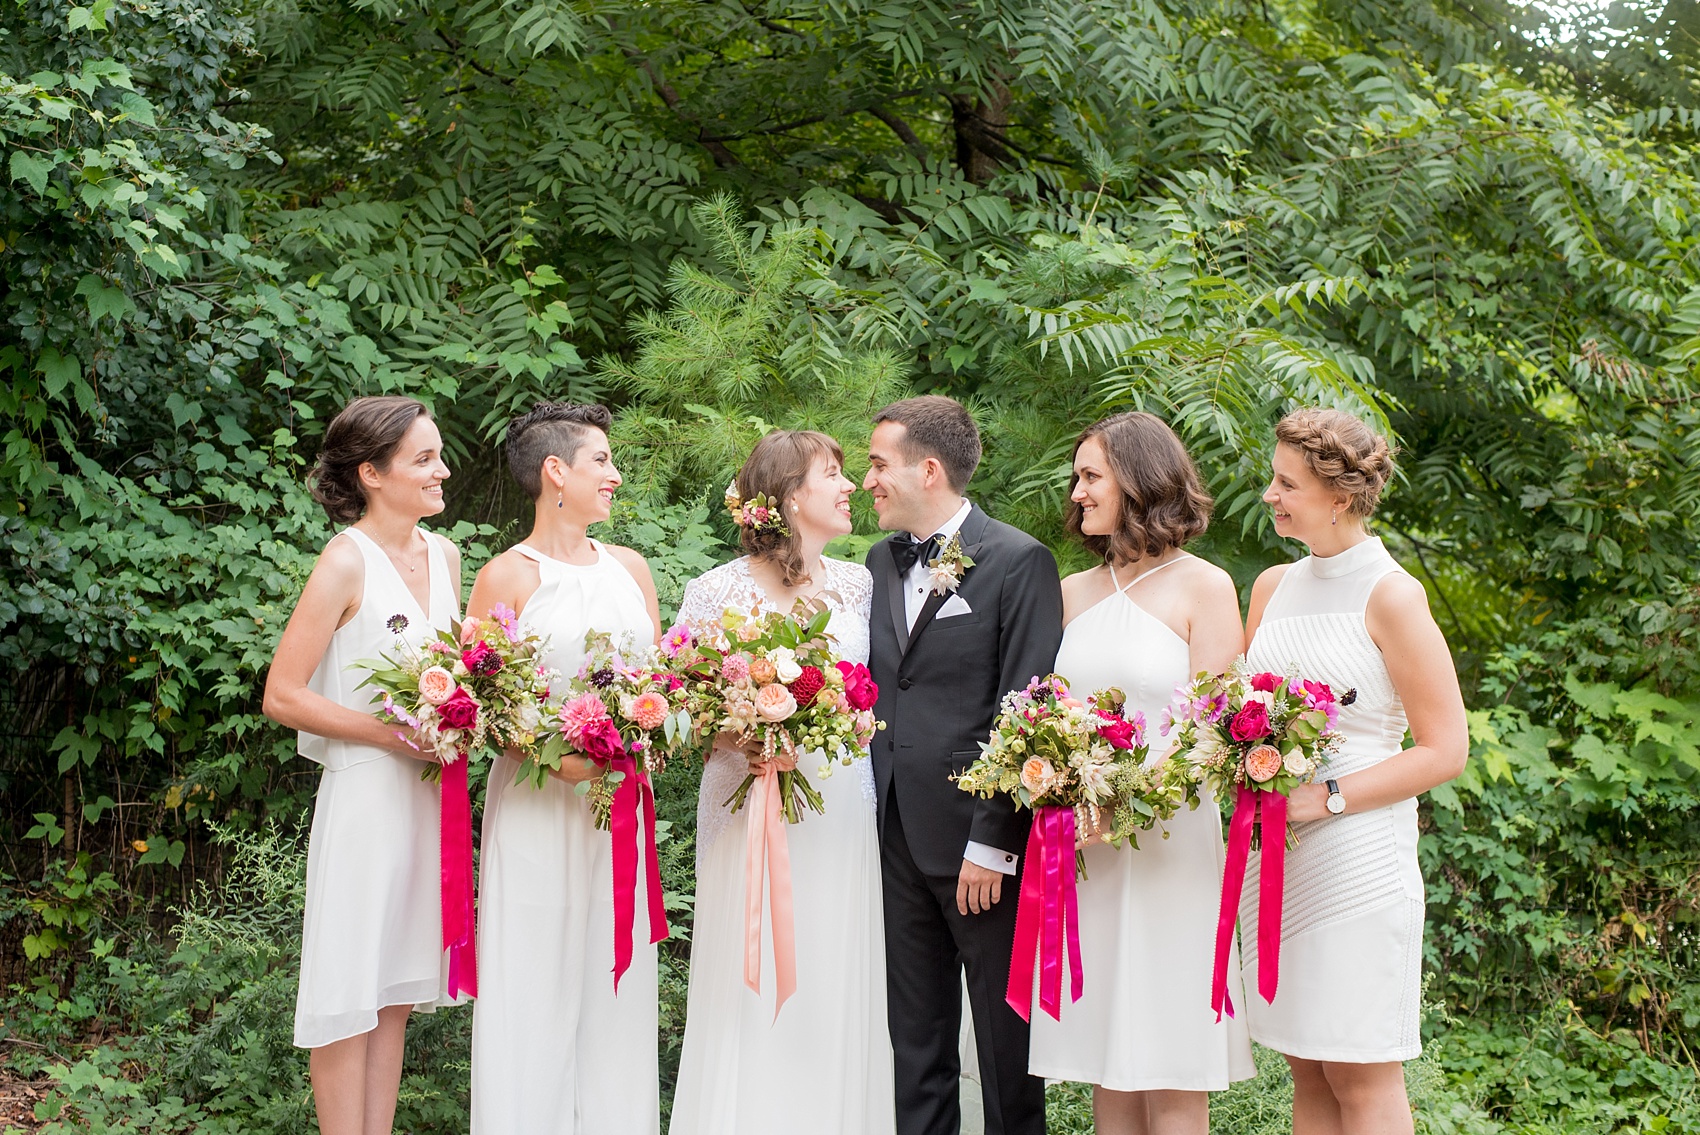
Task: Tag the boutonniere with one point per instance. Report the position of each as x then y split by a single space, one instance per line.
945 571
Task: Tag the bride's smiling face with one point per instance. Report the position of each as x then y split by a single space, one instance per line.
821 504
1096 490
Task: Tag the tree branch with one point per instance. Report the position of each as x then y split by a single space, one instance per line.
905 133
723 157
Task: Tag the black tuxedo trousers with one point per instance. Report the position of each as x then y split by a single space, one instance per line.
940 685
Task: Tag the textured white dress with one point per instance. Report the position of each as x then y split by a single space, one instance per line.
1147 916
825 1065
554 1050
1352 927
372 932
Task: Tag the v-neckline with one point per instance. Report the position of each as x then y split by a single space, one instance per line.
424 608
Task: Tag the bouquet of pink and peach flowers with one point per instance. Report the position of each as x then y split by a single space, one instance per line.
777 678
469 693
624 703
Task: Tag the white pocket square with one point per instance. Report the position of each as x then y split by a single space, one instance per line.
955 605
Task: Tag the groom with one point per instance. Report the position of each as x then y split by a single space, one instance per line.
964 610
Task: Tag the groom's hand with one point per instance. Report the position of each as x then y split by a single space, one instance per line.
977 888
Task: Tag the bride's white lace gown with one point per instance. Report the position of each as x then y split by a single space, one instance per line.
824 1065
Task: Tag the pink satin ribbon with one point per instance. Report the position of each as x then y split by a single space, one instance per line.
1271 889
766 848
633 794
454 857
1048 915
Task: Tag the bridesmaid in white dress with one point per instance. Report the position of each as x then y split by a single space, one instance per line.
824 1065
1347 1009
371 945
1145 621
554 1050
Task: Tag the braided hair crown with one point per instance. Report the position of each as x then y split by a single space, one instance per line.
1342 452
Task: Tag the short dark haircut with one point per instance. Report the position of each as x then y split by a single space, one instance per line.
367 430
938 427
552 429
1163 502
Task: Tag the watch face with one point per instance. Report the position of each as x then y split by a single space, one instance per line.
1336 803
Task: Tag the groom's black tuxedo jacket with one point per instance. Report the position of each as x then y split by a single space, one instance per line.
940 684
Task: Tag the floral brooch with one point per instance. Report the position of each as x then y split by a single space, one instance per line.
945 571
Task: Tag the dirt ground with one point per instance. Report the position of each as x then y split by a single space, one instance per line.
18 1098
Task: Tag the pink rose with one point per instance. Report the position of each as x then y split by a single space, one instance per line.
1268 683
775 703
480 659
459 711
860 689
1118 731
1037 775
469 629
1251 723
601 740
436 685
649 710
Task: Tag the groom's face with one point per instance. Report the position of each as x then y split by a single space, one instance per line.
898 488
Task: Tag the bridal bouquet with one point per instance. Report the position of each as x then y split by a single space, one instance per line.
1063 756
777 678
1256 737
469 693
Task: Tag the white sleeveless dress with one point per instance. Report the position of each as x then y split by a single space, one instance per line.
1147 916
1352 924
825 1065
554 1050
372 934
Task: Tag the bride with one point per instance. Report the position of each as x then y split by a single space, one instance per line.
825 1061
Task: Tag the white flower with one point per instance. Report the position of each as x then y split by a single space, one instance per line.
527 719
785 664
943 577
1095 779
1264 696
1208 744
1296 763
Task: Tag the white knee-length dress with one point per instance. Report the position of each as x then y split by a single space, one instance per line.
1352 927
372 932
1147 916
554 1050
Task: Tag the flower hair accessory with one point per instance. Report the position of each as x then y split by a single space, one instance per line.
758 514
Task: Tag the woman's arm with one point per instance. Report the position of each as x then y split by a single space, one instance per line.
1216 636
639 569
331 597
1420 665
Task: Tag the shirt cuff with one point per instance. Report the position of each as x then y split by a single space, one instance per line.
983 855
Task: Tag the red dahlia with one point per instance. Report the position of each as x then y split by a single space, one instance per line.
807 685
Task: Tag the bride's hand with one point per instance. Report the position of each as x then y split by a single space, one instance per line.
750 748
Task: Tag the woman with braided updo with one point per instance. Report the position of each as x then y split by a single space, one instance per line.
1346 1011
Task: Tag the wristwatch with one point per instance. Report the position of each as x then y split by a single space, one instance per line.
1336 802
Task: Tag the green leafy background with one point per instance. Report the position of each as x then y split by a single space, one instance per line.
1468 222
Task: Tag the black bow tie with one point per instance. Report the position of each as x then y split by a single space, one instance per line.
907 552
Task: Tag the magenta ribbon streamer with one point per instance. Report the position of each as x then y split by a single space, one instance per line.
1271 888
455 864
1047 917
632 795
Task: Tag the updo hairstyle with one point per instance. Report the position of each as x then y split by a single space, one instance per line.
367 430
1342 452
551 429
777 468
1164 504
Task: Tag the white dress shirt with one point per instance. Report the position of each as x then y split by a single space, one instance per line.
915 592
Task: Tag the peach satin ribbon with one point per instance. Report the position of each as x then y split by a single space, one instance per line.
766 848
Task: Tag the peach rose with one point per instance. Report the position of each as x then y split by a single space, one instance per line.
1262 763
775 703
762 672
436 685
1037 775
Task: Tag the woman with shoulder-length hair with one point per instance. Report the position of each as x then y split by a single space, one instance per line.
1145 620
1346 1013
824 1063
371 946
557 1048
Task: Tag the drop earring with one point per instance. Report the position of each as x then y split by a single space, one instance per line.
1336 519
561 500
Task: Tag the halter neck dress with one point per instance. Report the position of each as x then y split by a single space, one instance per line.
1352 923
554 1050
1147 916
372 930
